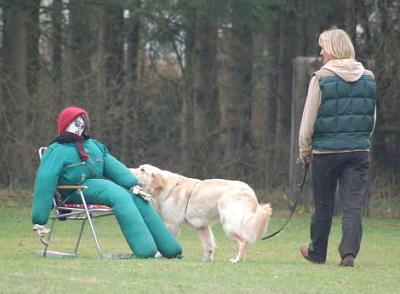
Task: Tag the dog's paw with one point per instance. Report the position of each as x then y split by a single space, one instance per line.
234 260
207 259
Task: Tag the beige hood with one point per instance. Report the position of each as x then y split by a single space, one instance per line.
349 70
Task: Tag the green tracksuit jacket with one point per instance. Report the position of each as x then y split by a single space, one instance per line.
108 182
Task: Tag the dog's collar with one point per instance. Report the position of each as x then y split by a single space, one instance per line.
189 196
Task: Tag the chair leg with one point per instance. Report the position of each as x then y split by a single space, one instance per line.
94 234
48 239
79 237
89 218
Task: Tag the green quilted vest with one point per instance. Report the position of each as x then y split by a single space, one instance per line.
346 114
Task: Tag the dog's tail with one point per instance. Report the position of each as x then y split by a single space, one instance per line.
257 223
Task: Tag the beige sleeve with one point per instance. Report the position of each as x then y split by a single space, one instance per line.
373 128
310 114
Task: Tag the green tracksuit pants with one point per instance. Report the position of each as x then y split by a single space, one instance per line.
141 225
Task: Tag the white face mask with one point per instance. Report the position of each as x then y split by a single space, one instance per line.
77 126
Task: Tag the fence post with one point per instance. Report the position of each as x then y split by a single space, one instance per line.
303 68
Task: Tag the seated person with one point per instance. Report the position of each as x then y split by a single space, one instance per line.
75 159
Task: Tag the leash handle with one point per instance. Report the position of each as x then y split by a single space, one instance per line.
303 181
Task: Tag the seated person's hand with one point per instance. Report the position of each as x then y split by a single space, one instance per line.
139 191
43 233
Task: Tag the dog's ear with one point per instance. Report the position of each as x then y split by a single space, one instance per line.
158 181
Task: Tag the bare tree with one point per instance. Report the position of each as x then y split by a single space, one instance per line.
132 102
287 51
264 105
16 99
57 40
81 49
205 101
236 89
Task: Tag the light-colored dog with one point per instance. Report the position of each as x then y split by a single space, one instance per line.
199 203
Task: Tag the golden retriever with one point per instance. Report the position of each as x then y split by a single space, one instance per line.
201 202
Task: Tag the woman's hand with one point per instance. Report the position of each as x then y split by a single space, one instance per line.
304 159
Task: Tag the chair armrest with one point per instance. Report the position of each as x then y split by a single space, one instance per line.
71 187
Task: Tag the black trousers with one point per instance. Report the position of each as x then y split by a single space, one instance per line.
349 171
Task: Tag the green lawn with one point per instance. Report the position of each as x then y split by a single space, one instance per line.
272 266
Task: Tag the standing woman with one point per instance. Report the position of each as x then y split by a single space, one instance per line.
338 120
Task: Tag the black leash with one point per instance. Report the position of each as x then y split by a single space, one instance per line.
303 181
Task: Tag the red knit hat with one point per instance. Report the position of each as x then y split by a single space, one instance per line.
67 116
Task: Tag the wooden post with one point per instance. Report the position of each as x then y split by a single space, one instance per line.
303 68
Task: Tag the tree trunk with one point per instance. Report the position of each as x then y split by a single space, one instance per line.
205 100
236 91
32 27
287 51
132 104
15 100
99 108
264 106
352 8
186 127
56 42
81 50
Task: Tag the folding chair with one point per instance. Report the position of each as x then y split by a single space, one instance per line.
81 212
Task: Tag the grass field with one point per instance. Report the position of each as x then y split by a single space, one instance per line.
272 266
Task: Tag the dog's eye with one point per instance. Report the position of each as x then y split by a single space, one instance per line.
142 169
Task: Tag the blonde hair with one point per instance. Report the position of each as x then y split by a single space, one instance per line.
337 44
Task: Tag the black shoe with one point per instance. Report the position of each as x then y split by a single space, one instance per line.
304 250
348 260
